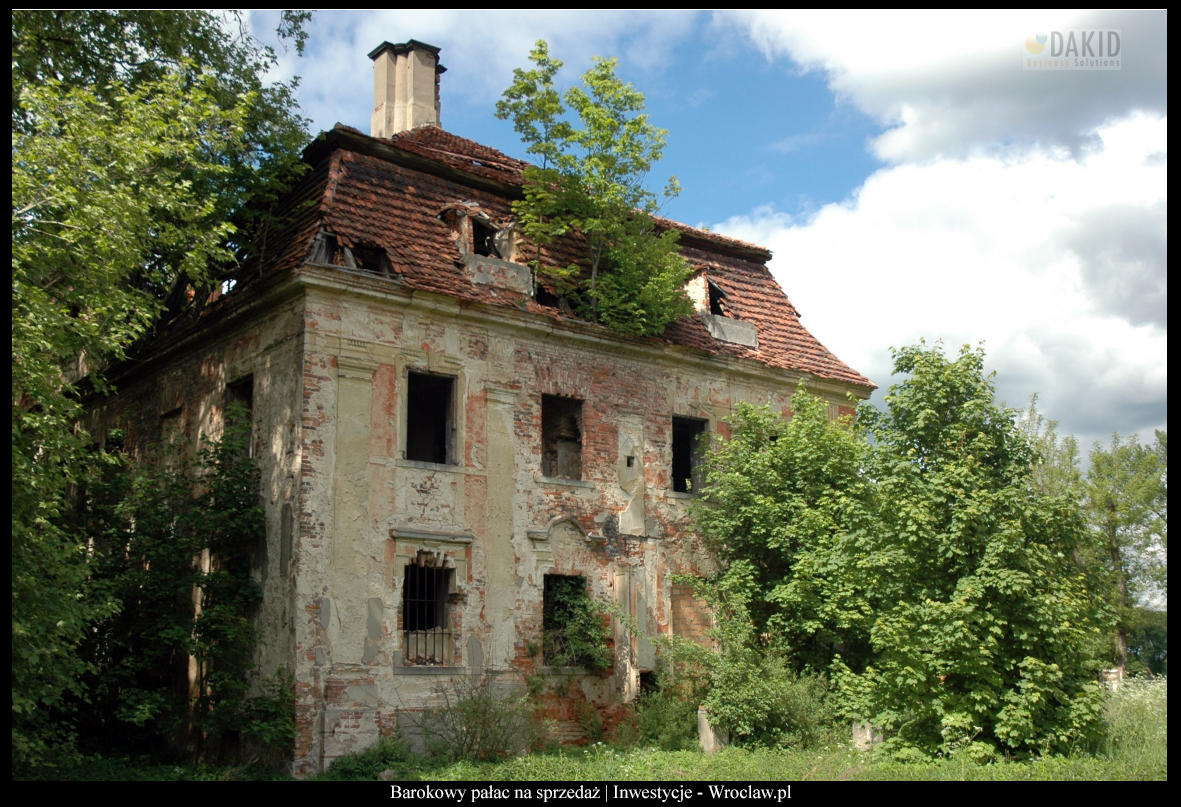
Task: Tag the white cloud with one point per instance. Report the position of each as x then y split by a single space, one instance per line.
951 83
480 48
1021 252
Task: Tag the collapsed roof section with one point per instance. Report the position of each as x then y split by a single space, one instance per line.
385 202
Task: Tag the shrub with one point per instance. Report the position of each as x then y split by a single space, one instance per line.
390 753
667 719
476 720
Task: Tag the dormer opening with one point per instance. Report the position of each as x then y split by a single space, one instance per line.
483 239
717 300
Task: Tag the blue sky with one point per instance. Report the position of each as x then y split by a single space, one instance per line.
911 178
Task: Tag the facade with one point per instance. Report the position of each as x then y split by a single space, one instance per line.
445 448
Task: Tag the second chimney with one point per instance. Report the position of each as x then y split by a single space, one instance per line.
405 87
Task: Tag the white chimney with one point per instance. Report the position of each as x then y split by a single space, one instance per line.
405 87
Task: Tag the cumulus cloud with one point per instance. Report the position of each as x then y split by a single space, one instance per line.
948 84
1123 251
1058 266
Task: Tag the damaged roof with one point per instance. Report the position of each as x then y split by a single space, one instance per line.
388 195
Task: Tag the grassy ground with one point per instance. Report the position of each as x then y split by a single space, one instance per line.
1136 749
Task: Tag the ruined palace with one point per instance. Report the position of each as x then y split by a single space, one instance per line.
444 446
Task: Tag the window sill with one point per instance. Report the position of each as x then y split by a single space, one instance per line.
677 495
430 466
555 480
426 669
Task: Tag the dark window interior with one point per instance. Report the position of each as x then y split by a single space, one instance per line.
547 298
373 260
426 623
687 453
717 300
424 598
429 418
242 392
483 240
560 590
561 437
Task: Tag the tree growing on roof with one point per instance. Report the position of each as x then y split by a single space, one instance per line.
590 183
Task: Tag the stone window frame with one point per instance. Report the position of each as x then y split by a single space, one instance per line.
434 364
449 549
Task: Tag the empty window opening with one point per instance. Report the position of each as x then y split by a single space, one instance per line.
372 260
171 437
484 240
426 617
687 448
561 598
631 462
717 300
429 422
648 682
547 298
561 437
240 405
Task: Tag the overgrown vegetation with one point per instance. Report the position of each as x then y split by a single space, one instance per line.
1135 747
912 557
1124 497
170 670
573 632
477 718
146 150
175 545
589 188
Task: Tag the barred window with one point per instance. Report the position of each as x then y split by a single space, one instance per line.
426 614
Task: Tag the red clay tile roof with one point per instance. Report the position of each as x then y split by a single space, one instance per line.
388 193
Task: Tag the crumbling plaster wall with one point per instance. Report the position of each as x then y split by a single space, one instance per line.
366 511
188 383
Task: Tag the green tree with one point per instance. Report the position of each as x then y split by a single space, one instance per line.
180 565
590 186
138 140
1127 501
922 556
781 497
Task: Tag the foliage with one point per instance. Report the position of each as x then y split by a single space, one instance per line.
748 683
1126 495
141 142
389 753
180 564
268 720
1055 468
574 631
981 620
780 497
475 718
667 720
109 53
590 182
1148 642
925 560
